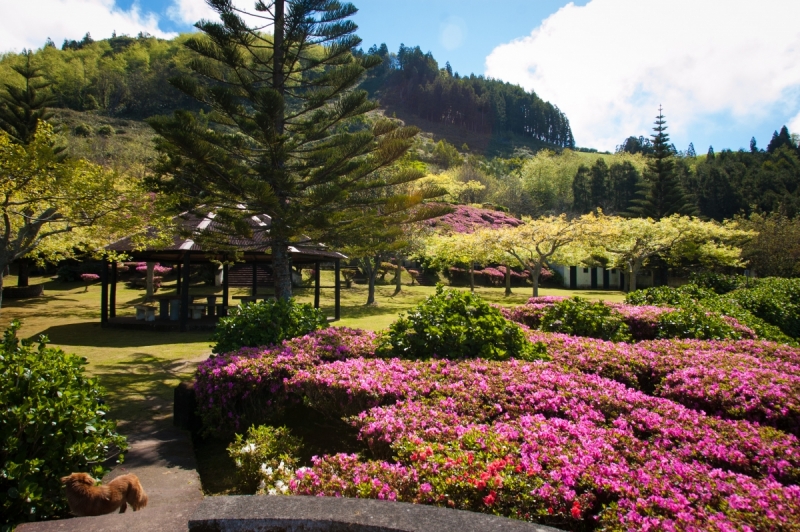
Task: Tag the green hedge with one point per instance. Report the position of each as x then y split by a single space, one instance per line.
52 424
458 325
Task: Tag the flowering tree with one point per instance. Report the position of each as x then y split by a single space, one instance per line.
629 242
51 208
538 241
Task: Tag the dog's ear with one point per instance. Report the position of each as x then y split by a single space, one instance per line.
64 480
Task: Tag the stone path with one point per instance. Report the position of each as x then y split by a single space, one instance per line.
164 462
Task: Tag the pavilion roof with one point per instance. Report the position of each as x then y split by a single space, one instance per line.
196 225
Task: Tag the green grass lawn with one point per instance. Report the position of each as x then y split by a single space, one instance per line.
140 369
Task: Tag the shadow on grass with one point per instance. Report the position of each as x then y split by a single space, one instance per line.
140 388
91 334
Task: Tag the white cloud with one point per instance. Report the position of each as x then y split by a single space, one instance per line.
609 64
794 124
190 11
28 24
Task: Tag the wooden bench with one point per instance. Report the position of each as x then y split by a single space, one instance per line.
146 312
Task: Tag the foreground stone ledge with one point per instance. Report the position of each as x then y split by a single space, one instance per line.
328 514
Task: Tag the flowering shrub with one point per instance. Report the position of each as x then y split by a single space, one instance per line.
467 219
266 323
534 442
658 435
158 269
265 459
247 386
457 325
89 278
752 380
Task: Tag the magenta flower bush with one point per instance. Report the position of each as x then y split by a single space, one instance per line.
247 386
656 435
467 219
532 441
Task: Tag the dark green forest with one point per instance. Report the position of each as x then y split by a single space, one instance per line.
129 77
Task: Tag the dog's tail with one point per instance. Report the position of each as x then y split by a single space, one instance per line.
136 496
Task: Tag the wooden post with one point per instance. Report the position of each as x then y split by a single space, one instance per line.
316 285
606 279
337 293
184 318
112 310
254 289
104 294
179 278
224 311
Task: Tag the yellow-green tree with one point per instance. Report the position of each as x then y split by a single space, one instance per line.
54 208
539 241
629 242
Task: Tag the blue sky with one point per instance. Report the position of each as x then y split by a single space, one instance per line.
724 70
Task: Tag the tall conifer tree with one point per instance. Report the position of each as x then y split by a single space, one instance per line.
665 195
280 139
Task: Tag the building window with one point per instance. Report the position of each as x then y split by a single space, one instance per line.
586 270
613 270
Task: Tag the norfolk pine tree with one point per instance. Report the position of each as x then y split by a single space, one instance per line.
279 139
665 195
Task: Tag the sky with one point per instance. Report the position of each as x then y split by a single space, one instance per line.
722 70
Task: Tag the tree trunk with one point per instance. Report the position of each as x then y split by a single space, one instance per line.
372 273
23 273
2 279
149 281
281 269
398 280
472 276
508 280
535 271
633 269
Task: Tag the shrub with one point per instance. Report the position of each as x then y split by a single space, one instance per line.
265 460
458 325
719 283
734 304
67 274
693 321
266 323
776 301
105 130
580 317
52 425
83 130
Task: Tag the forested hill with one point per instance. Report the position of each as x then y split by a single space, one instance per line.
412 80
128 77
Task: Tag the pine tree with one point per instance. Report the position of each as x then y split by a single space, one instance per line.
753 146
665 195
690 150
780 139
21 108
598 184
280 138
581 191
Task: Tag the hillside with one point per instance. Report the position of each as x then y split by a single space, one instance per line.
128 78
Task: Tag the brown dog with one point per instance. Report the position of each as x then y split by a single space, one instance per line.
85 498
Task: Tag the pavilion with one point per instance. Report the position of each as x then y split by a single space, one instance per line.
184 251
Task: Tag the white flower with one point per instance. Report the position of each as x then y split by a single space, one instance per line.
272 491
262 485
281 466
249 448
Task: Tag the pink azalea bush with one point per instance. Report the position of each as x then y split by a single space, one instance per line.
533 441
158 269
468 219
657 435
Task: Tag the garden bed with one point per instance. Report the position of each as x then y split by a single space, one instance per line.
659 435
